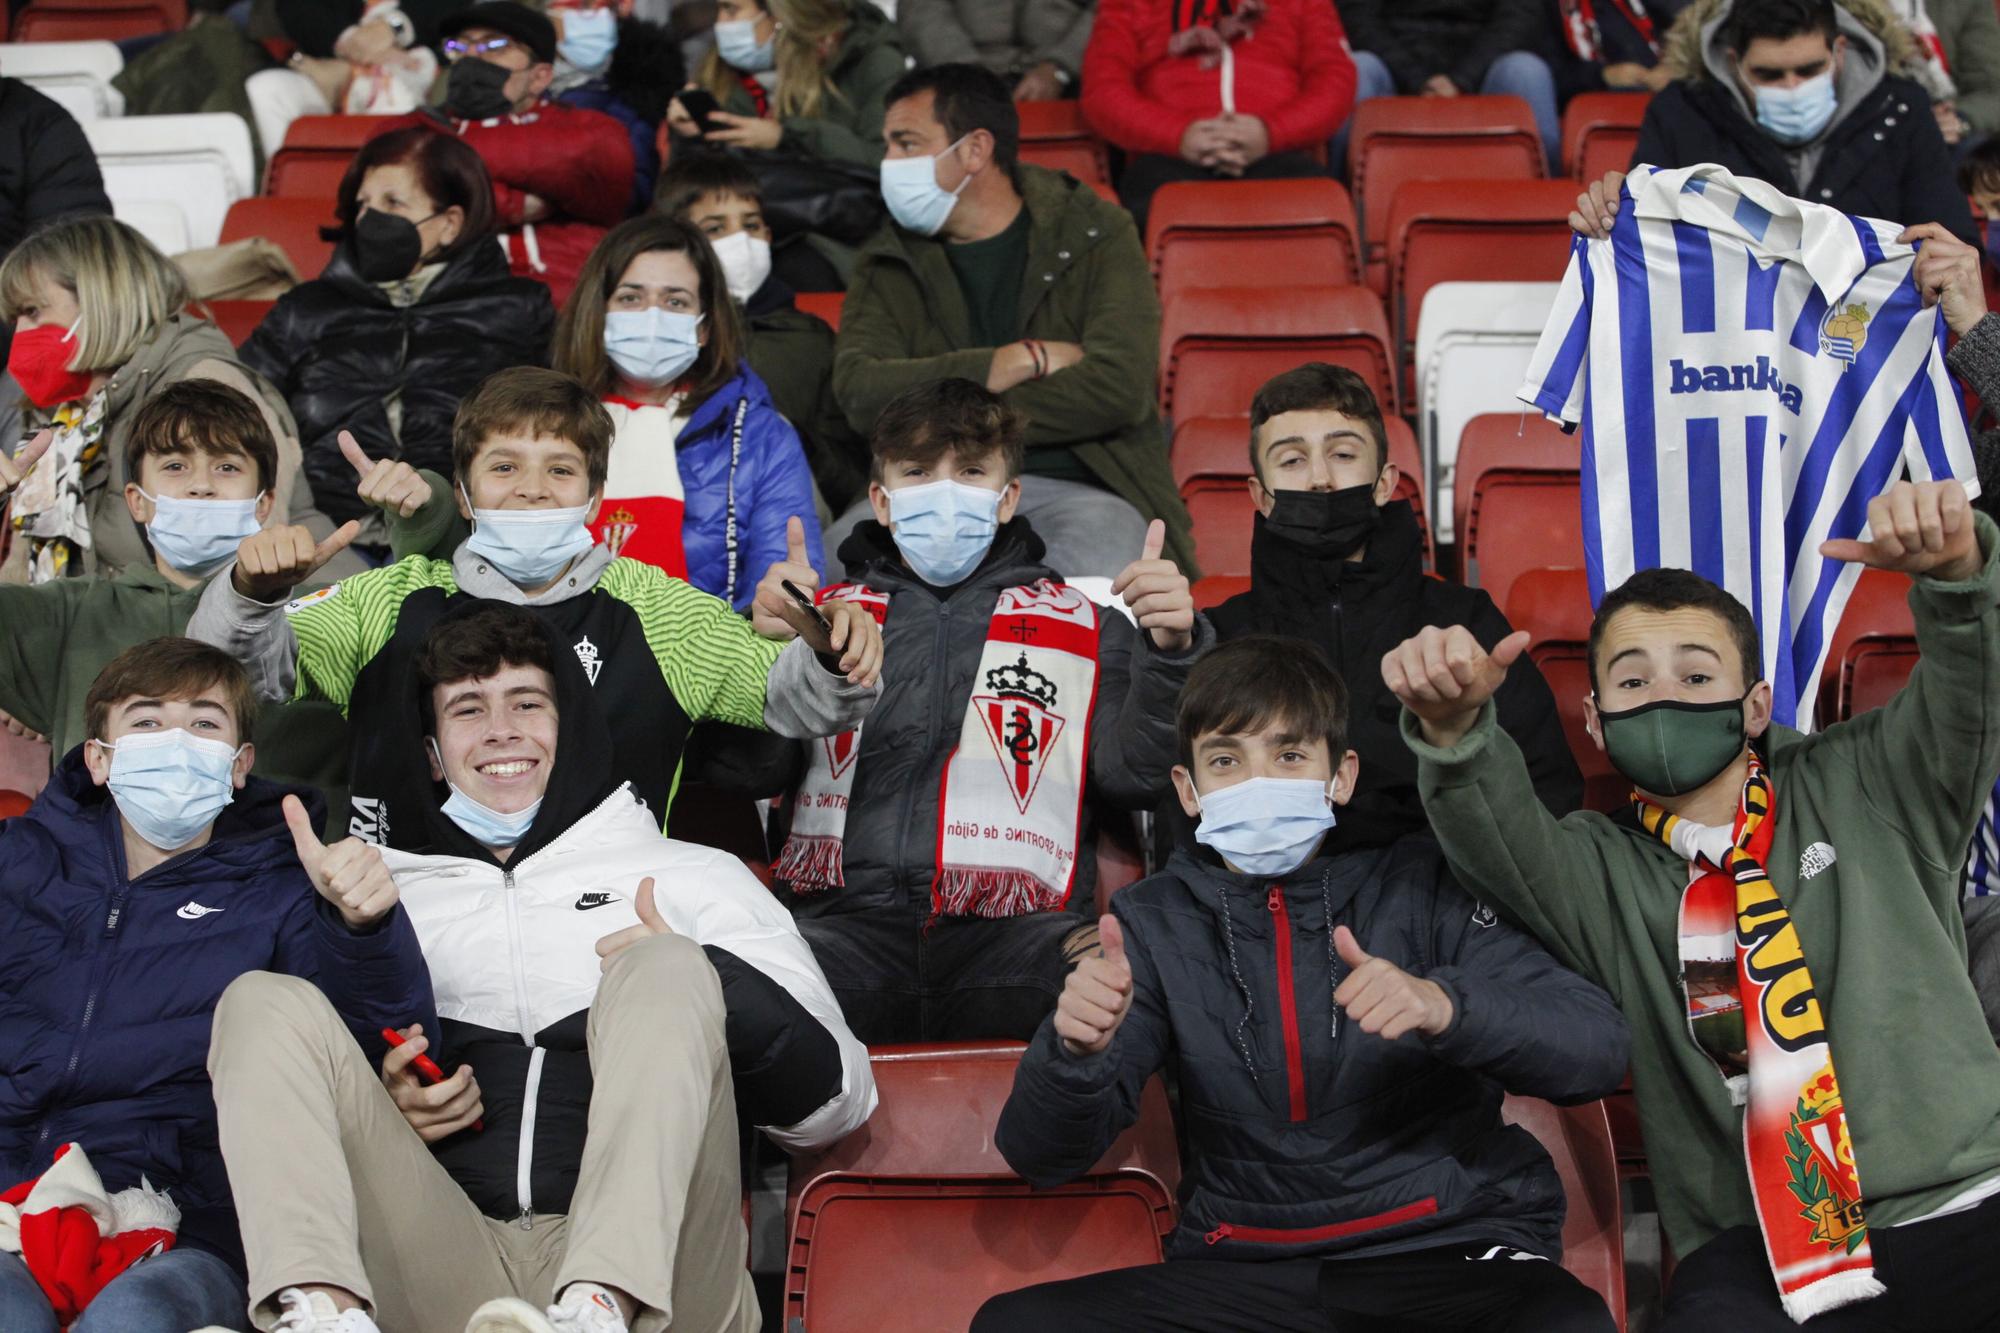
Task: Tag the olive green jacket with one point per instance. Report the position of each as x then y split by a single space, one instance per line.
848 127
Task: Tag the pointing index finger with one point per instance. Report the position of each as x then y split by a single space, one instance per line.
351 450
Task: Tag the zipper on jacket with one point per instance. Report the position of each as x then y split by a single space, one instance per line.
1409 1212
524 1161
514 948
1288 1005
114 916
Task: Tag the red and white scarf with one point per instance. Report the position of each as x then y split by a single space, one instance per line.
1753 1009
1586 39
1011 802
643 500
75 1236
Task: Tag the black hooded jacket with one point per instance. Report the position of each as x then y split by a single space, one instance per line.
1355 612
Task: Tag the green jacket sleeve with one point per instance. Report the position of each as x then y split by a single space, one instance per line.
1926 760
1114 385
1975 67
716 665
37 621
434 531
1508 850
857 135
871 357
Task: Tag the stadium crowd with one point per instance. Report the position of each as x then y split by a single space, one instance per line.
512 740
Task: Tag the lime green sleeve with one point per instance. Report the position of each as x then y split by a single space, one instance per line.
716 665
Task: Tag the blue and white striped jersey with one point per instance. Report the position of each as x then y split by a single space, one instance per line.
1749 371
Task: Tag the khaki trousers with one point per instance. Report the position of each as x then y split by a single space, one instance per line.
333 1186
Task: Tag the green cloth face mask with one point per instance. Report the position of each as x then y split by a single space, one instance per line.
1670 748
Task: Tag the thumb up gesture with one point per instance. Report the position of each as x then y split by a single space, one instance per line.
391 486
1382 998
651 923
1158 594
1097 994
350 874
1445 677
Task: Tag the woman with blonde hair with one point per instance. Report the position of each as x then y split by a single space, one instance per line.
100 326
802 75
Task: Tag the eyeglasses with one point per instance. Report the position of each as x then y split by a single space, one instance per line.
456 49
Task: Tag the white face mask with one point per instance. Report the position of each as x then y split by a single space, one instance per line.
746 263
910 188
1267 827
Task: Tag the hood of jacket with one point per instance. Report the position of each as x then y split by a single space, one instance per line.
868 28
1692 48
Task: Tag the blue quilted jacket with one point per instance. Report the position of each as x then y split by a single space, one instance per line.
107 987
772 482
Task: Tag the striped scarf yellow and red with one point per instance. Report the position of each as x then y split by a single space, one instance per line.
1753 1009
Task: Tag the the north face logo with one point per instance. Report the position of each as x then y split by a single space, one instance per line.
1815 859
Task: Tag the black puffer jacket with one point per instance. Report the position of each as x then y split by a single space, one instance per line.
46 166
1457 38
338 349
1356 612
1304 1135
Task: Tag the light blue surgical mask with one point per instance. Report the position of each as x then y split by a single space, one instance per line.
943 528
484 825
170 785
529 546
198 536
737 45
1797 114
652 346
910 188
1266 827
588 38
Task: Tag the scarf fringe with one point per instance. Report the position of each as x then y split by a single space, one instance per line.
1830 1293
811 864
992 893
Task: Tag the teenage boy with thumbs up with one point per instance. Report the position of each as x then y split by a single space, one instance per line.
941 857
610 1002
1342 1025
152 872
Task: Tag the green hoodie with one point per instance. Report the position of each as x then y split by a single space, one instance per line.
1873 819
55 637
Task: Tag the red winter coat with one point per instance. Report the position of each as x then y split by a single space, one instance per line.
1292 72
578 162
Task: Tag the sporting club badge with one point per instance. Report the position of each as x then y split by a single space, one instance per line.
1022 724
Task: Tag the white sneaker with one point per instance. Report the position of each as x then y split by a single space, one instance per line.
314 1313
584 1307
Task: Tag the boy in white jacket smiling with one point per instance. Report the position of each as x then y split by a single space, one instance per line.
624 997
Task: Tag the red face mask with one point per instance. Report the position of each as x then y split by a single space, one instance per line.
39 362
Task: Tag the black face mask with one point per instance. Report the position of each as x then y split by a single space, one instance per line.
386 247
475 90
1334 524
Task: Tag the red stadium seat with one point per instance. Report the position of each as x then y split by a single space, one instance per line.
824 304
315 154
1120 858
1054 135
1578 1139
1221 513
1219 344
1872 649
1516 499
917 1210
293 225
1473 231
86 21
237 319
1394 140
1553 605
1212 590
1252 233
1600 130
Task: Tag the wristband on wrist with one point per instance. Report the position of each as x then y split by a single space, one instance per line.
1038 355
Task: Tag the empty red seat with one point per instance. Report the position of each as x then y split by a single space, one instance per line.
293 225
1578 1140
1553 605
1283 233
1212 590
1219 344
1516 499
1395 140
1054 135
42 22
1121 860
1872 649
1600 130
1473 231
315 154
916 1211
237 319
824 304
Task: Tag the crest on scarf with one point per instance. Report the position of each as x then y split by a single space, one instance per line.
840 751
1021 723
618 529
1819 1154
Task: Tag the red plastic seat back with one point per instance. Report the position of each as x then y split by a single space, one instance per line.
1054 135
1600 130
1517 499
1252 233
95 23
1553 605
1212 590
1218 345
1474 231
1872 649
314 157
237 319
824 304
1578 1139
293 225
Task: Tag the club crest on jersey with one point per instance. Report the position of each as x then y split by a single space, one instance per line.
1760 376
619 529
1843 333
1021 723
593 661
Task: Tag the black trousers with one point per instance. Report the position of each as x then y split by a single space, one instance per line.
1487 1289
1940 1275
1147 172
962 978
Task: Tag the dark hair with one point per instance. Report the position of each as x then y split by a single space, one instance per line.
1248 684
1777 19
923 422
478 645
1672 590
450 171
204 417
579 340
532 401
1318 387
967 98
698 172
1979 170
170 668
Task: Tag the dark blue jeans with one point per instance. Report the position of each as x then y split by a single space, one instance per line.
170 1293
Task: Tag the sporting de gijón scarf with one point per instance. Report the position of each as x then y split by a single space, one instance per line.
1748 371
